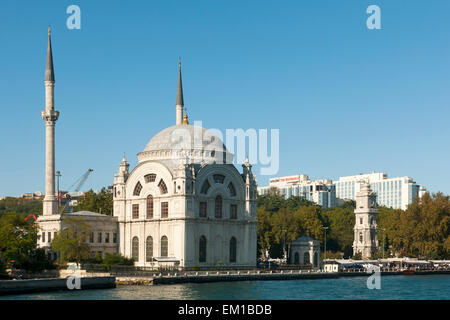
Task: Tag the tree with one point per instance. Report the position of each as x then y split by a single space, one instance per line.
114 259
71 242
101 202
264 230
18 238
20 206
340 221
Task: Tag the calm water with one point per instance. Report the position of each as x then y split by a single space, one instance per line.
392 287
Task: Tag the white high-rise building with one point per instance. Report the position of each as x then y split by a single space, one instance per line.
322 192
396 193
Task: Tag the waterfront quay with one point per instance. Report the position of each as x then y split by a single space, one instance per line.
8 287
219 276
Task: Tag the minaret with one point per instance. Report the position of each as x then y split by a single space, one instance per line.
50 115
180 102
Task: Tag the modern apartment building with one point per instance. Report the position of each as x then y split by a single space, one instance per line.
394 193
322 192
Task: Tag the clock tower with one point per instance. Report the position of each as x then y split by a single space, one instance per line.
366 238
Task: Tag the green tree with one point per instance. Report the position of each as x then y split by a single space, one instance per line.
340 221
112 259
264 230
18 238
21 206
101 202
425 227
71 242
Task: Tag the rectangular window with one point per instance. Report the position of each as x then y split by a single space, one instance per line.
43 236
107 237
233 211
99 237
49 237
91 238
164 209
203 209
114 237
135 209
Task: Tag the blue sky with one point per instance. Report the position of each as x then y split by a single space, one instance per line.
346 99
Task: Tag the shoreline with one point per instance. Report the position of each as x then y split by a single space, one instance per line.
289 275
18 287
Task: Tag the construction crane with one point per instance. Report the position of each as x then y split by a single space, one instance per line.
79 183
76 188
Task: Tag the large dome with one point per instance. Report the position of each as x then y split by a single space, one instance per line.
185 140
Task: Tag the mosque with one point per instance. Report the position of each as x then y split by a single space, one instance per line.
185 204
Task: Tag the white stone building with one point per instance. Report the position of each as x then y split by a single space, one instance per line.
365 240
185 203
306 251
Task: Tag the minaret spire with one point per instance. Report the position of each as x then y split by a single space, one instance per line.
50 115
180 102
49 72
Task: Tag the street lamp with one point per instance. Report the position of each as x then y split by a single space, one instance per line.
58 175
284 246
325 244
384 239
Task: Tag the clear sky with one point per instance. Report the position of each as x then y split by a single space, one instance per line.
346 99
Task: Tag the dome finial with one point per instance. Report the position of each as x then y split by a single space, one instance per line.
185 119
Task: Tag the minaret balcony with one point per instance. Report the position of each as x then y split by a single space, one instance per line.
49 115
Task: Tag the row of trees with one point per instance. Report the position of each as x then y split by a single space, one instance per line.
423 230
101 202
20 206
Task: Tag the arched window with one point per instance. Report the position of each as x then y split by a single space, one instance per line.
149 206
202 249
149 249
150 177
361 237
306 258
164 246
233 249
137 189
296 258
162 187
135 249
218 207
205 187
231 189
218 178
